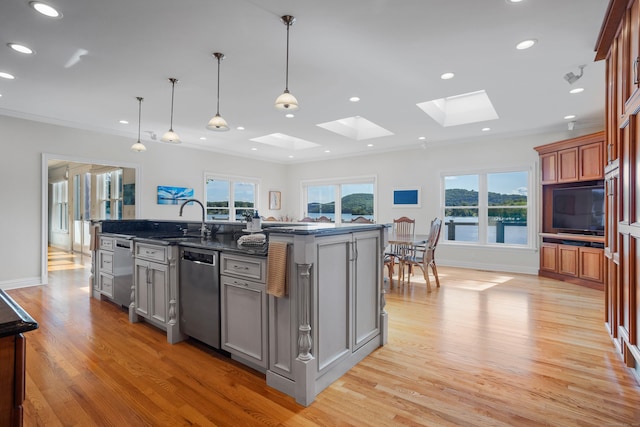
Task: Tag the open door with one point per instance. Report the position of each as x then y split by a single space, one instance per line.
81 208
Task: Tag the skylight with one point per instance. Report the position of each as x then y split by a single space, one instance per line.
285 141
357 128
461 109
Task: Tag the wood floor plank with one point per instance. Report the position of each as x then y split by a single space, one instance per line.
485 349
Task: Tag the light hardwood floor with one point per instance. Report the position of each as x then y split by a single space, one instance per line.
486 349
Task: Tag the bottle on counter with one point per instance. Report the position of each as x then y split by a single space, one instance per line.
256 223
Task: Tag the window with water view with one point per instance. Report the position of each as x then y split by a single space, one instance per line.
489 208
228 199
350 200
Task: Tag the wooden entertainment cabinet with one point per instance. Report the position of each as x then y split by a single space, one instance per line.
574 258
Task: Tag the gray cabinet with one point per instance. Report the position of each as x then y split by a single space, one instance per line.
243 308
155 288
104 284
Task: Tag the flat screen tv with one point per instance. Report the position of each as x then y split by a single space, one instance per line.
579 209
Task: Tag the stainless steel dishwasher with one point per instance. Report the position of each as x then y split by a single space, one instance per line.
200 295
122 271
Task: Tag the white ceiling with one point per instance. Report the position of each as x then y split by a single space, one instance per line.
390 53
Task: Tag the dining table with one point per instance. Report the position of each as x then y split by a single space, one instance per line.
401 245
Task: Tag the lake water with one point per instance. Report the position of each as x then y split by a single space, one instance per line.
514 235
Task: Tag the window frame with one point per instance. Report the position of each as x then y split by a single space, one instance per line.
338 183
232 180
116 194
483 206
60 206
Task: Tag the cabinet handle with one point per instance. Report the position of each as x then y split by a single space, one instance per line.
240 267
245 284
635 70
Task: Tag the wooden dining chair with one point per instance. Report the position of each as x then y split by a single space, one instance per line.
402 226
362 220
423 256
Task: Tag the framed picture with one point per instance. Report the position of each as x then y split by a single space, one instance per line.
274 200
168 195
406 197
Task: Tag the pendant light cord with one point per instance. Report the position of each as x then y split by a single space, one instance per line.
286 83
218 103
139 115
173 85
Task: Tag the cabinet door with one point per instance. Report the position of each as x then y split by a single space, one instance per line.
158 279
244 319
141 281
568 256
568 165
549 257
591 163
591 264
549 166
366 289
106 284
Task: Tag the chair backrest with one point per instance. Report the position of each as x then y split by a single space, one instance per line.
434 233
404 226
362 220
307 219
323 219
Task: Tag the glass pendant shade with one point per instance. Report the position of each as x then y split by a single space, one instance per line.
286 101
139 147
171 136
217 123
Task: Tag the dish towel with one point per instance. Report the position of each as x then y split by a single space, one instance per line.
277 269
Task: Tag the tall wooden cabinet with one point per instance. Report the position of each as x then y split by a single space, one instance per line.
619 44
574 258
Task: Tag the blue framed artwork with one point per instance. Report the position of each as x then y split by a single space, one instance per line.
129 194
173 195
406 198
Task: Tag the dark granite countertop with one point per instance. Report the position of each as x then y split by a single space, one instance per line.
13 319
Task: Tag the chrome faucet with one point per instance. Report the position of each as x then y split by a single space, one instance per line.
203 230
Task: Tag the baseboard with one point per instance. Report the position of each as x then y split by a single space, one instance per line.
507 268
20 283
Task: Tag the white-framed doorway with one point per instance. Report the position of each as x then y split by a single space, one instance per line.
79 227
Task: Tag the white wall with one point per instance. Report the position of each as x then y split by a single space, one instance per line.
24 142
423 167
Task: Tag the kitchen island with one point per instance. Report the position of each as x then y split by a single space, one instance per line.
330 317
14 321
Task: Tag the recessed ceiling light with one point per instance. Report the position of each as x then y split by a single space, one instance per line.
20 48
422 138
45 9
569 117
486 129
514 1
369 145
240 128
6 75
290 156
0 95
577 90
254 149
354 99
327 151
203 138
526 44
289 115
447 76
124 122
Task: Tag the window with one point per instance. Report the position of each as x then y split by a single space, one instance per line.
350 198
230 198
60 214
487 208
109 194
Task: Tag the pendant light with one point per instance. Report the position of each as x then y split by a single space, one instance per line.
286 101
217 122
139 146
170 135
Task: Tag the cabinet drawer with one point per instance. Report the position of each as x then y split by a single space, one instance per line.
106 243
253 268
106 285
105 262
151 252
